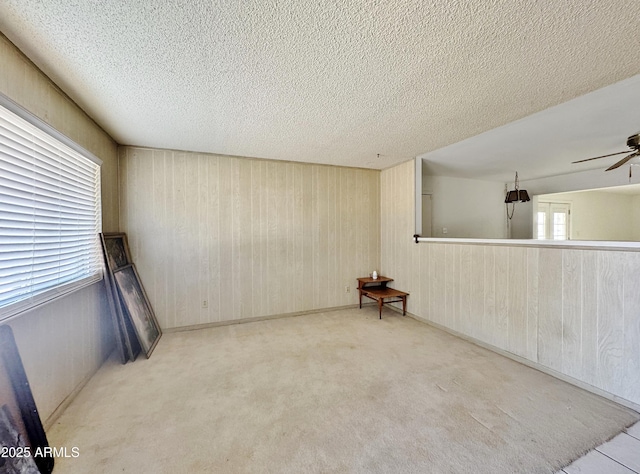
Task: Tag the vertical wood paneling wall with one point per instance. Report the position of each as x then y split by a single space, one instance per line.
575 311
64 342
251 237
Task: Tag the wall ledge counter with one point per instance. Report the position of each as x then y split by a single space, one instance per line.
559 244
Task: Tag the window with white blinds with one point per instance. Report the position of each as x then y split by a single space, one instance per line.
50 213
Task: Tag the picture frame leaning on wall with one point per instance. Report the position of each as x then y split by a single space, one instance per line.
115 251
22 437
138 307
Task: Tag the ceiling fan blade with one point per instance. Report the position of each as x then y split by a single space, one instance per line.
623 161
603 156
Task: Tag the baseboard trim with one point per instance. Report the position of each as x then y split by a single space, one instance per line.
196 327
534 365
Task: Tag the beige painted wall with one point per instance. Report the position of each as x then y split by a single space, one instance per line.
64 342
570 310
598 215
470 208
251 237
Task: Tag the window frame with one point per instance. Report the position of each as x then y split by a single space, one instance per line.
549 209
31 302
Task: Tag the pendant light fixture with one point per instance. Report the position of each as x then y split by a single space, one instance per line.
517 194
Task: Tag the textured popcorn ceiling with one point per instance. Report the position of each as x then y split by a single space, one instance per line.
318 81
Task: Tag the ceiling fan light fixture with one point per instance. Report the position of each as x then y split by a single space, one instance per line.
633 142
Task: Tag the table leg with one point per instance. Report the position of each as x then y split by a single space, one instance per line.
380 303
404 305
360 293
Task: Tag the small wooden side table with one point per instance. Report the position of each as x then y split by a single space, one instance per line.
368 282
377 290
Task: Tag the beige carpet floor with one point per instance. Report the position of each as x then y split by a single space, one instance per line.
329 392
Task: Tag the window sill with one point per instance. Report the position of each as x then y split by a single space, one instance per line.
22 307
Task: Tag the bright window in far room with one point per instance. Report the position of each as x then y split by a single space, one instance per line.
553 221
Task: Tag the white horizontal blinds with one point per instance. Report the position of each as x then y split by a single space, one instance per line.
49 216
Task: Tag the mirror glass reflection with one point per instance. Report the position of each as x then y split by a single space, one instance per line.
595 214
454 207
